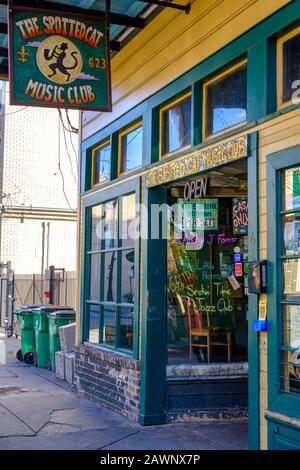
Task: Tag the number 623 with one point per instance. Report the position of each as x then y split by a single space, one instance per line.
97 63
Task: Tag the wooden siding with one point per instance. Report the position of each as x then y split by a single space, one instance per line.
172 44
278 134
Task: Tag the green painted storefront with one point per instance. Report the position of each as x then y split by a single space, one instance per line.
258 45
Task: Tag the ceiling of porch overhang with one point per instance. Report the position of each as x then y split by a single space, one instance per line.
124 7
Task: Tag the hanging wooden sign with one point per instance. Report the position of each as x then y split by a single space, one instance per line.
58 60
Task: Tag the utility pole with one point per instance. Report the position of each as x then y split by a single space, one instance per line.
52 284
48 244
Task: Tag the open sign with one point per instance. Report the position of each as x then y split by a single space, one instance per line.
196 189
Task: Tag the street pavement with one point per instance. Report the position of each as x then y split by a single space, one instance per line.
39 412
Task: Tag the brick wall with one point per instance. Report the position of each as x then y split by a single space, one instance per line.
33 144
110 379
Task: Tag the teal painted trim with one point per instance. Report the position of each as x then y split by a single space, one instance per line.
111 191
85 275
133 115
155 136
137 294
151 420
94 198
208 142
147 133
257 80
83 172
87 174
285 404
261 32
114 155
253 338
197 115
285 424
154 324
282 435
271 90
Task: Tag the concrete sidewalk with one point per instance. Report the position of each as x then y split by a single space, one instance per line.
39 411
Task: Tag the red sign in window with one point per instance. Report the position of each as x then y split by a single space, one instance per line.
238 269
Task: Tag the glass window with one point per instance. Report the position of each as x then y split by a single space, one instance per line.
291 189
131 149
176 126
291 234
109 324
290 261
95 277
128 221
207 267
109 274
291 278
101 164
126 327
225 100
127 281
96 216
112 273
94 319
110 224
291 321
289 65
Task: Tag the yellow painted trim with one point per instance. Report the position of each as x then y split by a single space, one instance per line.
206 84
172 44
280 42
168 106
104 144
122 133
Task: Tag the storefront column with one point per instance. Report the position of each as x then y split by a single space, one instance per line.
153 324
253 338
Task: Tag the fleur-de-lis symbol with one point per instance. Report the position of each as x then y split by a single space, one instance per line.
23 55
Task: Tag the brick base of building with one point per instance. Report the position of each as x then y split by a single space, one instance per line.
108 378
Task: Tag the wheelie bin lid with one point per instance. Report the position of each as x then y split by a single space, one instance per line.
26 309
29 306
51 308
62 313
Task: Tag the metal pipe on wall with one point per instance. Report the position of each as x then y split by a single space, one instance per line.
43 259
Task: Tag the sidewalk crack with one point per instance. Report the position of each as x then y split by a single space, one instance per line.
119 440
18 418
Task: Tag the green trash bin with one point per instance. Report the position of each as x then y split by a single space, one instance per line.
25 323
41 327
56 320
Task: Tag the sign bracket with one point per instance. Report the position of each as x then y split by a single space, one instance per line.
167 4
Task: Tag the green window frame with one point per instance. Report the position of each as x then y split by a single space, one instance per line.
103 319
279 400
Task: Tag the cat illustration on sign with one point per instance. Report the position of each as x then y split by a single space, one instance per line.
60 53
